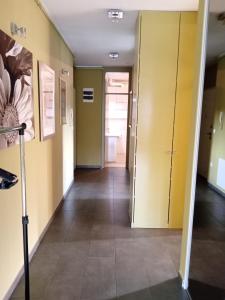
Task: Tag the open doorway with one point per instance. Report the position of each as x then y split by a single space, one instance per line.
207 265
116 118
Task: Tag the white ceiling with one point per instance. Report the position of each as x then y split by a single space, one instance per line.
216 32
217 6
91 36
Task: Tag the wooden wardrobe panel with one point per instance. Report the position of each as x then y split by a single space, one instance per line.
157 84
183 112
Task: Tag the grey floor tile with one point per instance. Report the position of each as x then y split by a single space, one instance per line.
102 248
67 282
63 218
103 216
140 295
42 270
67 250
99 278
90 252
131 275
102 232
78 233
55 234
61 290
139 247
103 205
161 270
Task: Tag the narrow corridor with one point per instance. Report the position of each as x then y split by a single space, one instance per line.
90 252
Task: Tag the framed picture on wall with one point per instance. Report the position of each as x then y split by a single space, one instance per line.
16 90
46 100
63 101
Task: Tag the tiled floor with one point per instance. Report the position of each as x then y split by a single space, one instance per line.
120 161
208 246
90 252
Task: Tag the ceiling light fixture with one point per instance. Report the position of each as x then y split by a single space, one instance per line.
114 55
115 15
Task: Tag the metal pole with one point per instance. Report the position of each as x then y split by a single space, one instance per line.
25 219
4 130
23 173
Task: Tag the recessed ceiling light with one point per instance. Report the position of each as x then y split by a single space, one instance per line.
114 55
115 15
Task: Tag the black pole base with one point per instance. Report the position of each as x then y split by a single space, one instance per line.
25 222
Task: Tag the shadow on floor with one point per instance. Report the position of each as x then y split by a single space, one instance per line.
168 290
202 291
207 269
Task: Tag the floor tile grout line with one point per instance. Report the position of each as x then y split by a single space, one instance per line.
114 223
52 278
84 272
116 269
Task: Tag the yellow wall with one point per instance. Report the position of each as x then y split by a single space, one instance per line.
218 140
50 163
89 117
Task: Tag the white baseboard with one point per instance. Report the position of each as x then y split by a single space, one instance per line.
89 167
34 249
183 282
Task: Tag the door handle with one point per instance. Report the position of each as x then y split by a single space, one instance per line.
171 152
209 134
168 152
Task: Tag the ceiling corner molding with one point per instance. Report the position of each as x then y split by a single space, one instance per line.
89 67
44 10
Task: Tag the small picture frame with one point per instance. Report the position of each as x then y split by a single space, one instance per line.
63 101
46 101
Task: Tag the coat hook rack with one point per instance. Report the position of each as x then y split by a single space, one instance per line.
18 30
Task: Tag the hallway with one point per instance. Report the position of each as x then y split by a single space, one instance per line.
89 252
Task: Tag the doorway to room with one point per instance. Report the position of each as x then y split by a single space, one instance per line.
207 261
116 118
207 272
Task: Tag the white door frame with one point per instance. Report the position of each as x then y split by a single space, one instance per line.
204 5
106 70
103 121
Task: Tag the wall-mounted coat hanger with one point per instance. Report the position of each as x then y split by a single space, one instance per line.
7 179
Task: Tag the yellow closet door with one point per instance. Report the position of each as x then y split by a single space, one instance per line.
157 86
183 119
